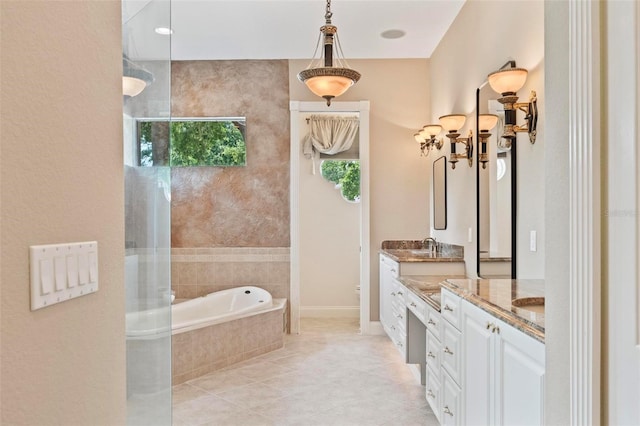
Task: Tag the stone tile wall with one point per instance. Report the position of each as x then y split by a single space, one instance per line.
199 271
202 351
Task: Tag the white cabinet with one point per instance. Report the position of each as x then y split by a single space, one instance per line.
388 274
433 387
502 371
450 410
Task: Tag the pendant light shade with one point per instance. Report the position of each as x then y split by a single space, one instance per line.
321 76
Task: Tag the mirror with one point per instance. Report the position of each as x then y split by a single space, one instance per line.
214 141
496 195
440 193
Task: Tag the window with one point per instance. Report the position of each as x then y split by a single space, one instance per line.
346 175
192 142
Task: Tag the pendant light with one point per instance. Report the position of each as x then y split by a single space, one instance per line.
321 76
134 78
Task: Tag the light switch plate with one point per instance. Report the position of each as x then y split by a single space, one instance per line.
533 243
62 272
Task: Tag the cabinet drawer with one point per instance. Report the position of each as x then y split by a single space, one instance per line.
451 402
417 306
393 265
433 392
434 351
451 351
433 323
451 308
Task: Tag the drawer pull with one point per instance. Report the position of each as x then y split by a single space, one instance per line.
494 328
431 355
393 270
413 304
447 350
393 327
399 344
399 316
430 394
400 293
431 322
393 293
447 308
447 411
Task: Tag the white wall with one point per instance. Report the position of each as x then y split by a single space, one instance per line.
484 35
62 181
329 244
400 178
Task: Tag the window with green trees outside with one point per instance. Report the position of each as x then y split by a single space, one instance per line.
192 142
345 174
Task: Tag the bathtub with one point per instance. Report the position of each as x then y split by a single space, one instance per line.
208 333
214 308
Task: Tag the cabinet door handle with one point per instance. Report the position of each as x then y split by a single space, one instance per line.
447 308
393 270
400 293
489 325
497 330
430 394
399 316
447 411
413 304
431 322
446 350
393 293
399 344
431 355
393 327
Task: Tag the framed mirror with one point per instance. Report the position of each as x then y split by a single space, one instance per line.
440 193
495 193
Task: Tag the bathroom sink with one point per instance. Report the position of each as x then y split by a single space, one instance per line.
533 304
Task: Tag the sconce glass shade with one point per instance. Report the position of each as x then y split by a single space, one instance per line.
132 86
487 122
452 122
431 129
418 137
508 81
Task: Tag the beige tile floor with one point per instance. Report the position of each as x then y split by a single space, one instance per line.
327 375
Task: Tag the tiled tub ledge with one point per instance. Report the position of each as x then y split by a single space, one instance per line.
202 351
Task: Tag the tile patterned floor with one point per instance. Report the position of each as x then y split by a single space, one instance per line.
327 375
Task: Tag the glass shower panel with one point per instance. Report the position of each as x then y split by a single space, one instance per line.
147 67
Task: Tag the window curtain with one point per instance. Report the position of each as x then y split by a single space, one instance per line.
329 135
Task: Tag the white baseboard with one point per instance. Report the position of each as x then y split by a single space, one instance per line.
329 312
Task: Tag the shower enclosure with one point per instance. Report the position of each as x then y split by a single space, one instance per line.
147 60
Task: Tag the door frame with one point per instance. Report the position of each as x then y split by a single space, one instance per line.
297 108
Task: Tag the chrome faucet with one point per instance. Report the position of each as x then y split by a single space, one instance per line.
431 244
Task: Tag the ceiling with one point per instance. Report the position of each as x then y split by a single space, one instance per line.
283 29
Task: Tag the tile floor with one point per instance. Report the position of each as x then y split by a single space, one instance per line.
327 375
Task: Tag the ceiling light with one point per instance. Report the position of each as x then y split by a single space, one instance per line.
163 31
321 76
392 34
134 78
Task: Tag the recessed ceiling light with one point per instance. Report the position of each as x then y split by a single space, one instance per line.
164 31
392 34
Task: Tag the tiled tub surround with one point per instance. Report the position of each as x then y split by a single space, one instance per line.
495 296
202 351
197 272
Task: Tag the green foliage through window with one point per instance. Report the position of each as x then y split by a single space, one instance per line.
345 174
192 143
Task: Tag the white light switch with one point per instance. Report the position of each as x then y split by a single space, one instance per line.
61 272
60 266
470 236
533 243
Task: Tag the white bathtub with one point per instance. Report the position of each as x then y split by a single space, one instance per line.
214 308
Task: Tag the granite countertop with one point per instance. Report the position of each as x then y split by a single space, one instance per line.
495 296
413 251
427 287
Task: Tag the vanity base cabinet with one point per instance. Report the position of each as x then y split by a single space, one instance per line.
502 371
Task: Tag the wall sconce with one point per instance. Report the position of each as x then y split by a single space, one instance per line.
507 82
452 124
427 139
486 122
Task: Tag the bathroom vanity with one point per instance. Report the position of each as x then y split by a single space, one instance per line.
479 343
